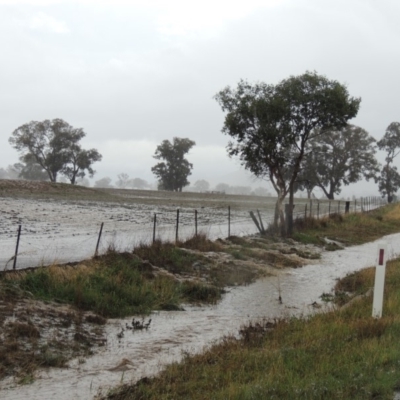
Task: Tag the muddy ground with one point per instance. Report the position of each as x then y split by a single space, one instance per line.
34 334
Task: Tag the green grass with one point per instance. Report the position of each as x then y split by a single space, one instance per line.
344 354
350 229
114 285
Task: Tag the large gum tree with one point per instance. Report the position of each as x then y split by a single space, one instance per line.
270 126
54 145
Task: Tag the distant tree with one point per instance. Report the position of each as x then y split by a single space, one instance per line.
241 190
55 147
123 180
30 170
103 183
201 185
138 183
80 161
222 187
83 182
271 124
336 158
13 171
388 181
261 191
172 173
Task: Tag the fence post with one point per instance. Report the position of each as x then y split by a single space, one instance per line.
16 248
347 208
329 208
229 221
98 239
318 209
195 222
261 223
310 208
355 205
305 212
177 225
338 207
154 227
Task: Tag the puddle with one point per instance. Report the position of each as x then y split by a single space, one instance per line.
145 352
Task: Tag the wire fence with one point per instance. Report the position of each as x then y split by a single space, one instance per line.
43 233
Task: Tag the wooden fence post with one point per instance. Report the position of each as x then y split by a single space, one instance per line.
16 248
229 221
195 222
154 227
177 225
98 240
261 223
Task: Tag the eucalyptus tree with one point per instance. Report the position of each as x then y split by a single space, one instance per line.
338 157
173 171
271 124
54 145
389 180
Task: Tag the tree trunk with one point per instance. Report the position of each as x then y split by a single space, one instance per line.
279 218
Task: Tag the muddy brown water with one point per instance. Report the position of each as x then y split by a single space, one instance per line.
172 334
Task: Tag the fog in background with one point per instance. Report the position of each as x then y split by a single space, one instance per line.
133 73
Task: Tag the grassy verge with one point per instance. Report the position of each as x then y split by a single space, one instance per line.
341 354
344 354
350 229
114 285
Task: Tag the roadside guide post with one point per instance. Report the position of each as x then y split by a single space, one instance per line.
379 281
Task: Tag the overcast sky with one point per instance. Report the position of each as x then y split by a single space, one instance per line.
133 73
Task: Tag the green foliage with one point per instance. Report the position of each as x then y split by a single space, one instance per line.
172 173
350 228
118 285
389 181
54 147
271 124
336 158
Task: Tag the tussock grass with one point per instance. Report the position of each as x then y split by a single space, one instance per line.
200 243
167 256
116 284
350 229
345 354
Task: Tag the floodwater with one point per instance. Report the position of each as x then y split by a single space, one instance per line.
171 334
59 232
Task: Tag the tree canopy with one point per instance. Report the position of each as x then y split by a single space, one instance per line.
201 185
389 180
271 124
54 146
173 171
338 157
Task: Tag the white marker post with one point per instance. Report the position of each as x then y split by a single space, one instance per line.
379 281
